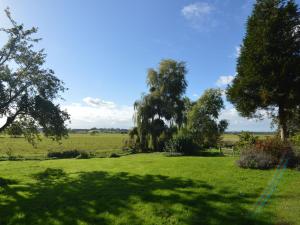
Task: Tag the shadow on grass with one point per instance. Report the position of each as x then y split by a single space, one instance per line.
5 182
121 198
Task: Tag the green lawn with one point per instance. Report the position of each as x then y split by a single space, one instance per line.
145 189
98 144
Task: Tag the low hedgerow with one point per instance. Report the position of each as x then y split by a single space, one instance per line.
266 154
113 155
69 154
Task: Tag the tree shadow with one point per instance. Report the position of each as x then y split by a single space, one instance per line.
122 198
5 182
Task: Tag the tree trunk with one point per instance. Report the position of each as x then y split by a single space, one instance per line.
282 123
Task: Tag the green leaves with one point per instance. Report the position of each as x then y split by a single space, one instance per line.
202 120
268 69
27 88
163 107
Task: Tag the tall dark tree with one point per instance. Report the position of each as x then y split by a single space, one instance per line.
27 88
162 109
268 68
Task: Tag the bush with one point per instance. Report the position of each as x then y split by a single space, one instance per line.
113 155
266 154
64 154
84 155
181 143
131 145
246 139
250 158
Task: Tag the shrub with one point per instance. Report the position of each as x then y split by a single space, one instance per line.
113 155
181 143
64 154
84 155
266 154
131 145
250 158
246 139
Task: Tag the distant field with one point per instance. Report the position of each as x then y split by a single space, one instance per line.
147 189
235 137
98 144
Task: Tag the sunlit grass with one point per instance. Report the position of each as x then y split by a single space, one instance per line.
144 189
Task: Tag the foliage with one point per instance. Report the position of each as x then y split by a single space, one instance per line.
64 154
27 89
15 130
181 143
267 153
250 158
202 119
296 139
268 71
246 139
84 155
113 155
293 122
161 111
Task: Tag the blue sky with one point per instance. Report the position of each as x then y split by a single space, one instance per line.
102 50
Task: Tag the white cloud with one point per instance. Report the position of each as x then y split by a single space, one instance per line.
94 112
224 80
238 123
96 102
199 15
237 51
197 9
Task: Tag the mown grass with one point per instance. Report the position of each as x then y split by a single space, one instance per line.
100 144
144 189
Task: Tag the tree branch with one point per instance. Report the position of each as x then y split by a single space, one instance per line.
10 120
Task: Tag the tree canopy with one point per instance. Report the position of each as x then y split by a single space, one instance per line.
268 68
162 109
28 89
202 119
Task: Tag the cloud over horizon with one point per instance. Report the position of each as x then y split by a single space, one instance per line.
238 123
94 112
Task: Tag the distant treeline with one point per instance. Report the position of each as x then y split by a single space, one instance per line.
252 132
100 130
125 131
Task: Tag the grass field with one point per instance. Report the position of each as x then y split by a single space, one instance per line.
101 144
145 189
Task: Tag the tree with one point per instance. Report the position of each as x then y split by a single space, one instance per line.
15 130
27 89
268 68
161 111
202 120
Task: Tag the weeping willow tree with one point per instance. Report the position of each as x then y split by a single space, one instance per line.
160 113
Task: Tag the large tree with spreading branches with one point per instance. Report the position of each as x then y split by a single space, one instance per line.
28 89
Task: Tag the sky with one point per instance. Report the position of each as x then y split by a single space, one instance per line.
102 50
